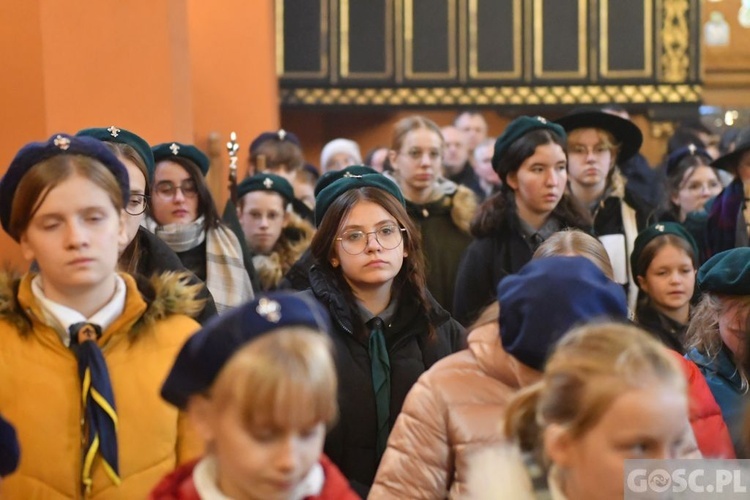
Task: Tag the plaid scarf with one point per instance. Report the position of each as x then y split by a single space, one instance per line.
721 231
226 276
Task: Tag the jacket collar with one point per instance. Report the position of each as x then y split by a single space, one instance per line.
485 344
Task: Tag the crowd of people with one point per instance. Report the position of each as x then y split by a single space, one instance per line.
451 315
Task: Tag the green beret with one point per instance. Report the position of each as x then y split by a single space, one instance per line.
266 182
726 273
122 136
334 175
350 181
514 131
660 229
169 150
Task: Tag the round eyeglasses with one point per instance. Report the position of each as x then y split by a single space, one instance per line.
355 242
136 204
167 190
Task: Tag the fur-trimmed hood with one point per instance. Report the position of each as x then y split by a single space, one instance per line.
446 194
161 296
295 239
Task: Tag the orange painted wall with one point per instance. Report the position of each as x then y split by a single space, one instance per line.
162 69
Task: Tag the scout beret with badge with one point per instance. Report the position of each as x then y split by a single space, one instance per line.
349 181
514 131
205 353
170 150
281 135
58 144
266 182
726 273
674 159
122 136
647 235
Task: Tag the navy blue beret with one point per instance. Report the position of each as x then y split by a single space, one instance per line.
204 354
334 175
726 273
169 150
349 181
674 159
514 131
122 136
281 135
58 144
266 182
9 449
549 296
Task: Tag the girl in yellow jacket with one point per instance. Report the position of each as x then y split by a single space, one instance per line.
83 349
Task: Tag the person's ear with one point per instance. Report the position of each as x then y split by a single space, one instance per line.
199 413
643 284
512 180
26 250
334 262
558 445
392 158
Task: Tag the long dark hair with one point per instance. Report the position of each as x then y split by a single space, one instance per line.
682 172
411 277
492 214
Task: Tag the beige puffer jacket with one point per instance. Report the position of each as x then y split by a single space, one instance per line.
454 409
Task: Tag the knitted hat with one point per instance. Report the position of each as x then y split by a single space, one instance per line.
170 150
726 273
547 298
514 131
58 144
624 131
204 354
348 181
122 136
337 146
660 229
266 182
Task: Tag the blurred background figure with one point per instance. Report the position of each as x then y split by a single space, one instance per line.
338 154
456 164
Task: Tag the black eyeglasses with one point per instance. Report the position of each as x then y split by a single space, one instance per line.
355 242
167 190
137 204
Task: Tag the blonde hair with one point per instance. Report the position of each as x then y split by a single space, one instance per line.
574 242
285 379
590 367
615 180
703 331
409 124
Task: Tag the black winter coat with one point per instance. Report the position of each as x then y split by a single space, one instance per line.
351 443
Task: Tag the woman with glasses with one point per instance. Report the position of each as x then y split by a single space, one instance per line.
143 254
184 216
369 273
441 209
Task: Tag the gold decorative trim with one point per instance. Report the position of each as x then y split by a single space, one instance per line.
409 50
344 35
474 72
280 70
492 96
675 41
662 130
648 44
539 43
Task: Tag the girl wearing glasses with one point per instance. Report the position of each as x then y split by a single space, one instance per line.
369 274
84 349
143 254
441 209
185 218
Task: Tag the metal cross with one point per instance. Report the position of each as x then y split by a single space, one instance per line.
62 142
268 183
114 131
175 148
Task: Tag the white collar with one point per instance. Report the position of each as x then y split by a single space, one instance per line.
60 317
206 484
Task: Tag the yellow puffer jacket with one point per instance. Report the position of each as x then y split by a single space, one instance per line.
40 393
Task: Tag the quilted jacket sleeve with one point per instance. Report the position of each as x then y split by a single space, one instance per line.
418 463
711 433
